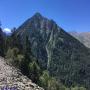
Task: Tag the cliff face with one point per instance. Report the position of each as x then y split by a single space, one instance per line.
12 78
57 51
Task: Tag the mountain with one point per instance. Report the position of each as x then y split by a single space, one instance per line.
14 79
83 37
61 54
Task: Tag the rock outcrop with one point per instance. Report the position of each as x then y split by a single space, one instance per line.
11 77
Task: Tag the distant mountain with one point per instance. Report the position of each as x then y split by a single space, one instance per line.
56 50
83 37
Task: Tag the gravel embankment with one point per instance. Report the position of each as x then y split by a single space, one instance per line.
12 78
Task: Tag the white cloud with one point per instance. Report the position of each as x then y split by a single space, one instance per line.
7 30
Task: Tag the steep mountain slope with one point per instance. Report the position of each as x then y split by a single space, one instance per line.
83 37
12 78
61 54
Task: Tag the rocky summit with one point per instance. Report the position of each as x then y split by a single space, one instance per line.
11 77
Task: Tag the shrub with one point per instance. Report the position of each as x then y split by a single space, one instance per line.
34 71
13 57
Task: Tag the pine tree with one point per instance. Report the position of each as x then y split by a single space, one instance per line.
2 42
34 71
27 57
28 52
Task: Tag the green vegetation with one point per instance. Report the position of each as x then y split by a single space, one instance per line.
29 66
2 43
49 83
62 55
34 71
48 55
13 57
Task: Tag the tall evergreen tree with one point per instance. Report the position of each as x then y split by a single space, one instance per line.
27 58
2 44
28 52
13 41
34 71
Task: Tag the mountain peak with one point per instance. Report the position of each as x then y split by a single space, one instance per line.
37 14
56 50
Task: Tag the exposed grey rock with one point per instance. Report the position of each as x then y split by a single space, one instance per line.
12 77
83 37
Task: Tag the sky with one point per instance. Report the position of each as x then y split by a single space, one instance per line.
71 15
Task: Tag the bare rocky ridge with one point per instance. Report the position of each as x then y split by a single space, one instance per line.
11 77
83 37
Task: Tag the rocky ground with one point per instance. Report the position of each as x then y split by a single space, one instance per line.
12 78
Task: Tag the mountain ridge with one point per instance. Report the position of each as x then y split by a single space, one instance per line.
83 37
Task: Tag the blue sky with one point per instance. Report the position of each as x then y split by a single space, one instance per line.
72 15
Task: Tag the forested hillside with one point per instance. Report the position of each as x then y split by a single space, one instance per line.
48 55
62 55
